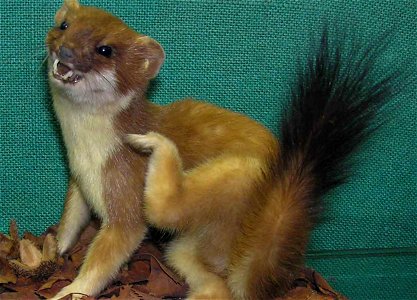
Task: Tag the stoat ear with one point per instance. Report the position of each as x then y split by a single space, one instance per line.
154 56
72 4
66 6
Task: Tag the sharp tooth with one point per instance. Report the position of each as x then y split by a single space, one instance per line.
68 75
56 65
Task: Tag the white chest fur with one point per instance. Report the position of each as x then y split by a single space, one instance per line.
90 139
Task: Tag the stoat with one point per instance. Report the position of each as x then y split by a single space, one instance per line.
241 202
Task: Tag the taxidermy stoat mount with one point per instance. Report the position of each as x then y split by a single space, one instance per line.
242 203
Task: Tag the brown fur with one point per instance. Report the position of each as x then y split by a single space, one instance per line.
210 175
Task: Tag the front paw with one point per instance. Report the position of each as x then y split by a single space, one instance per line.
64 242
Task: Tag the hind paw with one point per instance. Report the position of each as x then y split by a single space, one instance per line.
145 142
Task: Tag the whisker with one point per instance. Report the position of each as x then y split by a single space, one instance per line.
89 86
44 61
106 79
112 84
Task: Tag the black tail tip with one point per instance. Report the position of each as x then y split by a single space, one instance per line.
336 103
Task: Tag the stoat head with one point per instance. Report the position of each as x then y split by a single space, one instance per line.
96 58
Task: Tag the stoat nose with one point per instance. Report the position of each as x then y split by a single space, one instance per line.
65 53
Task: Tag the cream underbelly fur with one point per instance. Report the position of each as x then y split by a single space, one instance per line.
90 139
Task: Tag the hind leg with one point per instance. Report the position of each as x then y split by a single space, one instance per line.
183 256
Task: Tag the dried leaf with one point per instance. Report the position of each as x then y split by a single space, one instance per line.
323 286
89 233
14 236
137 271
52 230
8 277
51 281
137 294
54 289
22 284
168 272
310 285
22 289
110 292
6 245
27 295
303 293
160 284
125 292
6 273
68 272
14 232
77 254
148 250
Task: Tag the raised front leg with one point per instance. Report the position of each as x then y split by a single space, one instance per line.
112 246
75 217
174 198
164 177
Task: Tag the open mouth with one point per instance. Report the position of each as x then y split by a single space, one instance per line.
65 73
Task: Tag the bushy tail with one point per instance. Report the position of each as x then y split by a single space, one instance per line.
333 108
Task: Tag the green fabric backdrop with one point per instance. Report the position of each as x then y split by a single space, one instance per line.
240 55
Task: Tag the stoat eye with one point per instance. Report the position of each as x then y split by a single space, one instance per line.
63 26
105 51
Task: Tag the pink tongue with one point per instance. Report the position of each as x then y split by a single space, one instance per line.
62 69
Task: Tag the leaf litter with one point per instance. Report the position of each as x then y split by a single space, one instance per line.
30 269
